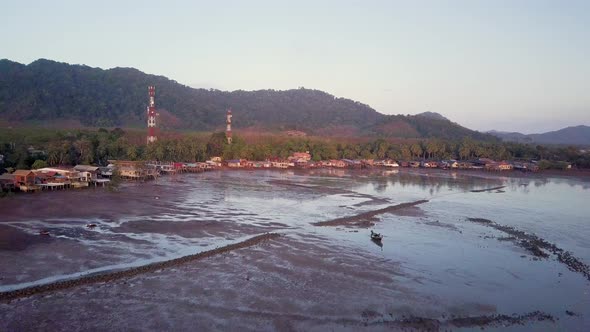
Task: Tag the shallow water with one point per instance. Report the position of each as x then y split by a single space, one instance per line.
459 267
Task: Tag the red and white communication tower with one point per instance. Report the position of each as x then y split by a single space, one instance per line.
228 128
151 111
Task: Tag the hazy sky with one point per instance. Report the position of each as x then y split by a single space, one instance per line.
506 65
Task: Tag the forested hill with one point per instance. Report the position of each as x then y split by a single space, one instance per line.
51 91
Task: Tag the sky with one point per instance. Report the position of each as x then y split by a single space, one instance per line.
505 65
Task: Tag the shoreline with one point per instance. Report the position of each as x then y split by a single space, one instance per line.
570 172
583 175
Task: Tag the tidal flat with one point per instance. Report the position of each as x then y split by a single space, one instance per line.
461 251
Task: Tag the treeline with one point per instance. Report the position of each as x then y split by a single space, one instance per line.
25 148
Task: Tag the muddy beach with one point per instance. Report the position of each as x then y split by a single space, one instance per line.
179 262
366 219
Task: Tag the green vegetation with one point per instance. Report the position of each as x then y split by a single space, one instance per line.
52 93
70 147
39 164
547 164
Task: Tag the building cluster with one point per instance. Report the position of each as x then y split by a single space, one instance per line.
141 170
80 176
303 160
50 178
476 164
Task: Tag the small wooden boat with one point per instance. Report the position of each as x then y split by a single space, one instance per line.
44 233
376 236
90 225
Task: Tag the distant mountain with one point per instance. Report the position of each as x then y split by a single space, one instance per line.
46 91
511 136
578 135
432 115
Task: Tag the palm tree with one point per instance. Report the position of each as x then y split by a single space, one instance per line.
416 150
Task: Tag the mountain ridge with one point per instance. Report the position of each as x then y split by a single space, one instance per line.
572 135
46 90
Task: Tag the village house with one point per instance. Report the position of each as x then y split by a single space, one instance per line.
7 182
193 167
258 164
24 177
504 166
483 161
352 163
449 164
525 167
465 165
325 163
107 171
87 173
337 163
280 164
61 174
498 166
300 155
390 163
213 164
302 163
179 167
236 163
129 172
25 180
415 164
166 169
134 169
45 176
429 164
203 166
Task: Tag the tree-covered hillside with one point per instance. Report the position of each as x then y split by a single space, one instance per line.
51 91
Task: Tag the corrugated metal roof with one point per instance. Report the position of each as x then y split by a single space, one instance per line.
86 168
22 172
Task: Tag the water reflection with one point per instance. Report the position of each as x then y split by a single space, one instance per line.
378 243
437 181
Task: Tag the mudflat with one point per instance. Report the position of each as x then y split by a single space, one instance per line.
196 252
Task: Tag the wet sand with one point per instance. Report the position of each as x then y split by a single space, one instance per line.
12 239
433 271
115 275
366 219
274 285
